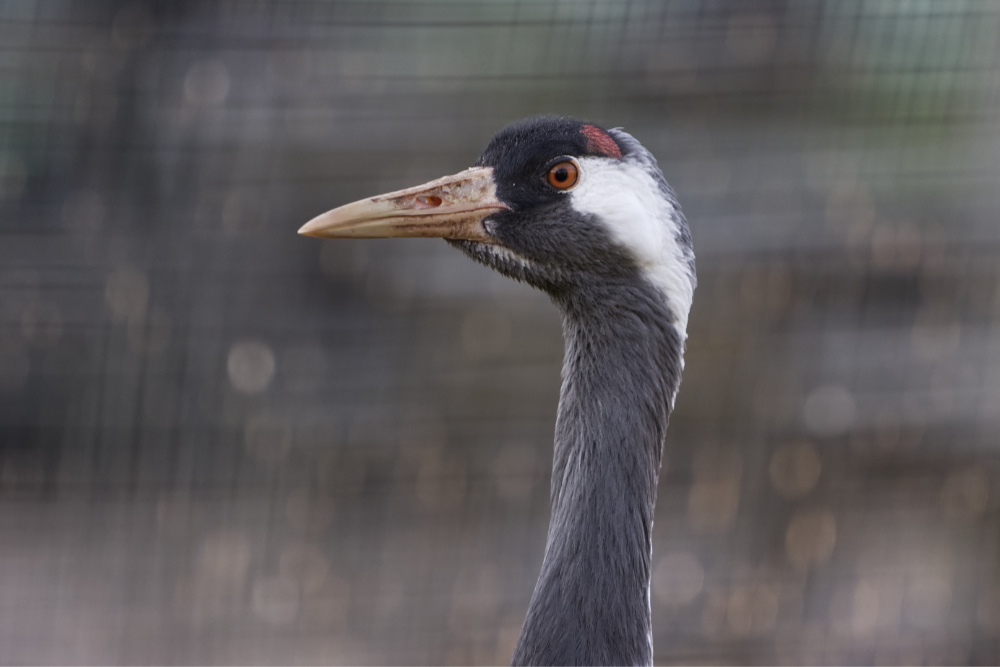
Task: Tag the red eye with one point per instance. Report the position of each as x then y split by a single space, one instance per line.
563 175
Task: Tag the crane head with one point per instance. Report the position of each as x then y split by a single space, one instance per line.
560 204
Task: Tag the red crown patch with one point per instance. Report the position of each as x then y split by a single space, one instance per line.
600 142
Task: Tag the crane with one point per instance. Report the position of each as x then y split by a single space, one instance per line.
584 214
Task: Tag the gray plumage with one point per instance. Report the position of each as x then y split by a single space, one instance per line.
621 369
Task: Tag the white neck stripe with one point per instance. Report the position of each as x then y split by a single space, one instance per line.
625 196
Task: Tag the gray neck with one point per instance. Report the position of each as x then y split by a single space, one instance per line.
621 371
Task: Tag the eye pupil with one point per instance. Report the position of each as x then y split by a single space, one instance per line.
562 174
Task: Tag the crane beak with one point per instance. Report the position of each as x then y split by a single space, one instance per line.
451 207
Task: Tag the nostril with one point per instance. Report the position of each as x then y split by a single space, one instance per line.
428 202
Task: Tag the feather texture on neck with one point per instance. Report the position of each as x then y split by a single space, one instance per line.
621 371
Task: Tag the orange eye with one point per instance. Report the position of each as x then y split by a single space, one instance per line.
563 175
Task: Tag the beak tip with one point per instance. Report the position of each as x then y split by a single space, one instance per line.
310 229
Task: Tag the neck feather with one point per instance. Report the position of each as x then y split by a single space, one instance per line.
621 370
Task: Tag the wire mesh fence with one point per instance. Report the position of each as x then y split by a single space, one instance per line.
220 442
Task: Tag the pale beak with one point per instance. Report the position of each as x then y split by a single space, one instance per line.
452 207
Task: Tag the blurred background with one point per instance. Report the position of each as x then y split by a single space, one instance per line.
223 443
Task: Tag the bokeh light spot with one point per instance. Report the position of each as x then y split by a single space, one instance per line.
829 411
276 600
215 589
225 556
251 366
678 579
